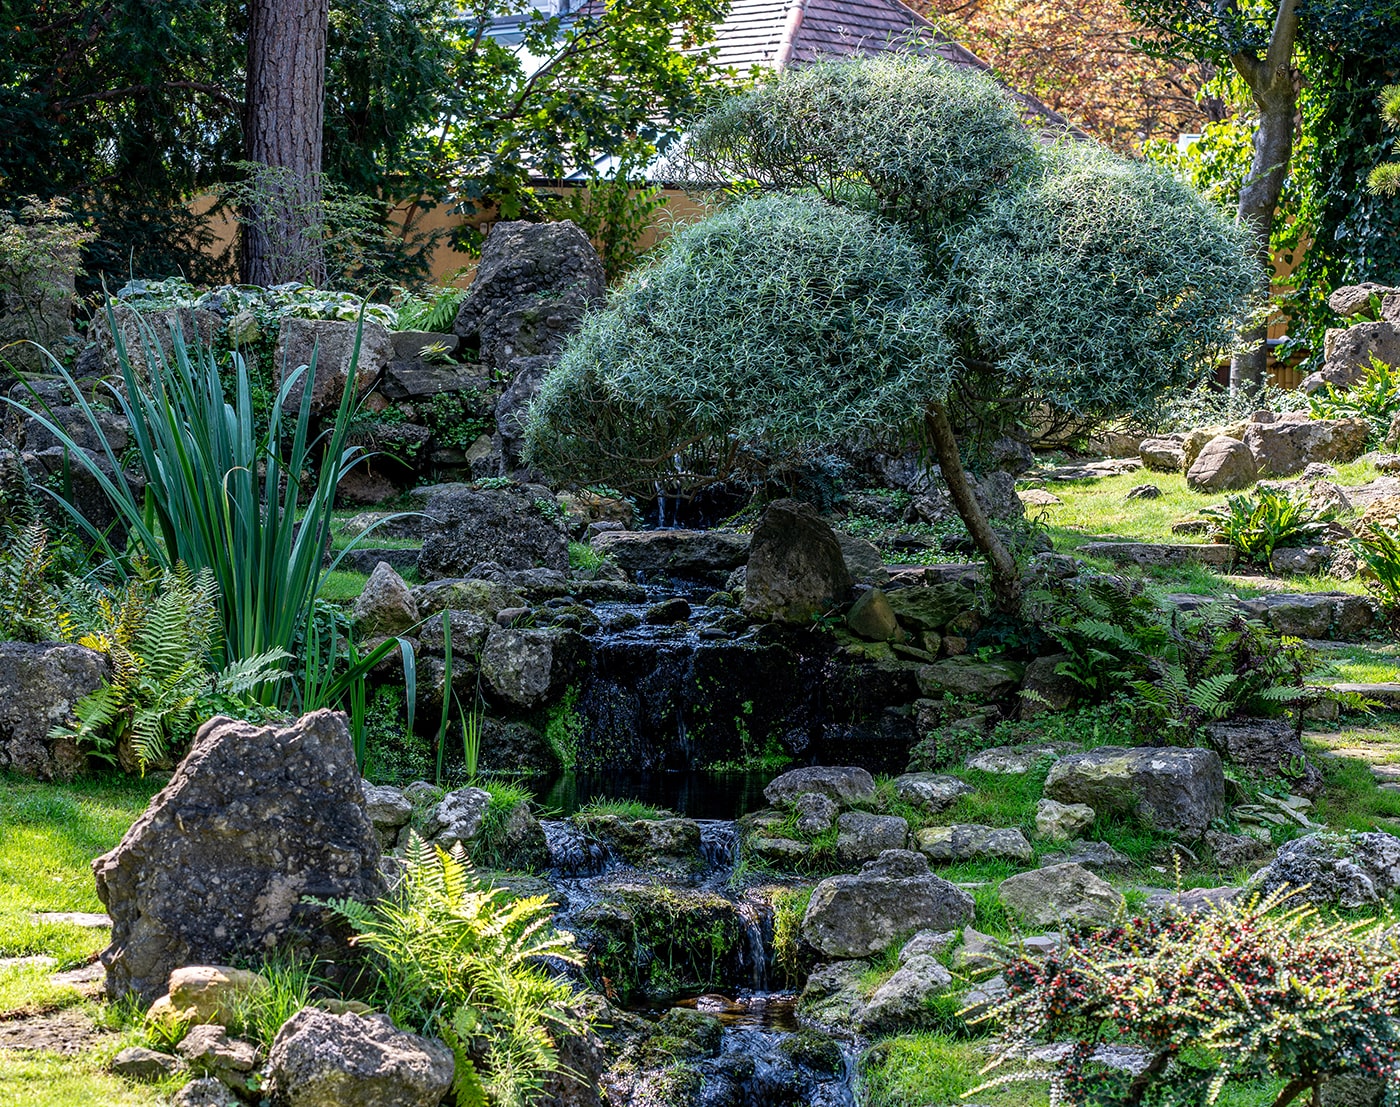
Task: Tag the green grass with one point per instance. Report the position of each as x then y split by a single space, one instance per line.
624 809
342 586
31 990
1373 663
584 556
49 835
49 1080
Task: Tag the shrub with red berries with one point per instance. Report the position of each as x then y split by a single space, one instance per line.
1266 988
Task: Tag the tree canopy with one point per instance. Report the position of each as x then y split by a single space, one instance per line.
1018 278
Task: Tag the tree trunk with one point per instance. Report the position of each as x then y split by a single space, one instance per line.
284 113
1004 572
1272 83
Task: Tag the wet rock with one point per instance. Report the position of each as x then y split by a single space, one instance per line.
815 813
1223 465
861 914
457 818
832 996
1060 893
688 554
666 844
469 526
1268 750
863 836
324 1060
934 792
843 783
795 569
254 820
529 668
969 678
1348 871
1062 821
386 606
1178 791
333 344
667 612
871 617
39 684
971 842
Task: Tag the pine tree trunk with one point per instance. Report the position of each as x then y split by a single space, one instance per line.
1005 574
1271 82
284 114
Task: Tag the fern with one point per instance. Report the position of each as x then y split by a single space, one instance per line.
30 605
435 312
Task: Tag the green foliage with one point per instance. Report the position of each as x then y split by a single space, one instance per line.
433 309
584 556
505 798
1255 525
1377 547
393 753
777 321
563 729
1258 988
1375 398
614 212
31 603
158 638
1384 179
40 253
629 809
789 906
457 958
260 1013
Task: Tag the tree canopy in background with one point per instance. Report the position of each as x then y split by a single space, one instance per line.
129 109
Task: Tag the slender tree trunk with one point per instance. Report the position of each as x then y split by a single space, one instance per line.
284 114
1004 572
1272 83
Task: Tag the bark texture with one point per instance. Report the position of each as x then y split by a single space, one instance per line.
1005 573
285 109
1273 83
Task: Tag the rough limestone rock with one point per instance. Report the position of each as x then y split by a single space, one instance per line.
934 792
386 606
209 1050
1014 760
864 561
470 526
1349 350
513 408
1352 299
208 994
1061 822
526 668
832 996
863 837
1223 465
689 554
1044 689
333 344
672 845
1178 791
1348 871
206 1091
1165 455
871 617
255 819
862 914
324 1060
971 842
902 1000
457 817
843 783
1337 615
1268 750
39 684
1300 560
931 607
1288 446
968 677
531 288
816 813
140 1063
1060 893
388 809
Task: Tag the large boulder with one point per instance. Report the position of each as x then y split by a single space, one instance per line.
1066 893
862 914
972 842
1268 750
323 1060
969 678
843 783
255 819
1348 871
527 668
470 526
532 285
796 569
863 836
1223 465
332 343
1288 445
513 407
1165 455
1348 352
39 684
1178 791
386 606
674 553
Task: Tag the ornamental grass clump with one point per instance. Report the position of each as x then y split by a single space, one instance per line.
1264 989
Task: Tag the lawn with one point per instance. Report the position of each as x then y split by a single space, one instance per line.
48 1080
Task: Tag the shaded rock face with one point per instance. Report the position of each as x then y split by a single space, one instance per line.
842 783
795 569
531 288
862 914
39 684
254 819
1268 750
693 554
471 526
386 606
1178 791
333 344
527 668
324 1060
1349 871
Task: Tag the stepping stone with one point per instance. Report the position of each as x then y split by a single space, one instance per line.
80 977
1160 553
1387 694
89 920
34 961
